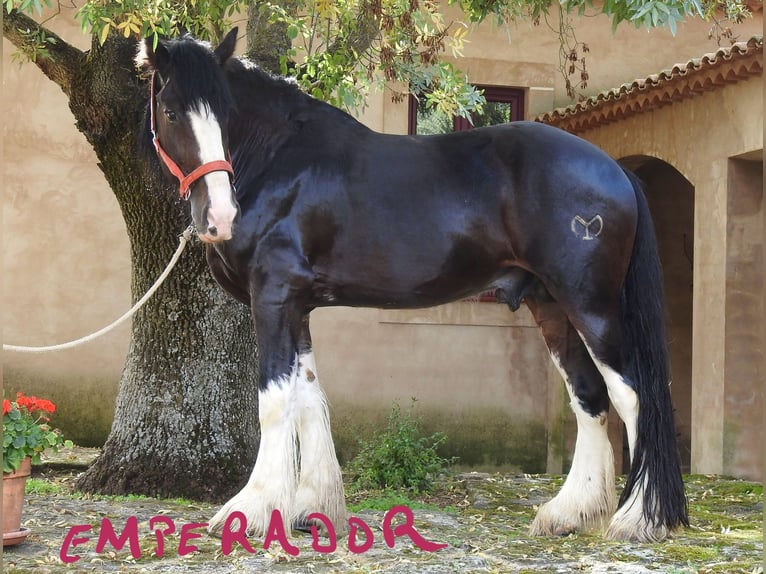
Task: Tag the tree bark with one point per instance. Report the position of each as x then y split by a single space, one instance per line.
185 420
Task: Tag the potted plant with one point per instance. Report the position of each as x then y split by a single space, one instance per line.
26 434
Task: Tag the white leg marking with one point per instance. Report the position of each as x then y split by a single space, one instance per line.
629 522
623 398
207 132
320 488
587 499
625 401
273 481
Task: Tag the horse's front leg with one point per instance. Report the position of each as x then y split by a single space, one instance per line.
274 479
320 485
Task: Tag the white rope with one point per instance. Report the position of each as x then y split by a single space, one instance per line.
183 239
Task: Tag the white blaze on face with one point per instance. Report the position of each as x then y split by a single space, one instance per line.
222 210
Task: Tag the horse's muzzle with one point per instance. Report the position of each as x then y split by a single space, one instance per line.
216 231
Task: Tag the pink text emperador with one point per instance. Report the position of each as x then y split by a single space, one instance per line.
360 536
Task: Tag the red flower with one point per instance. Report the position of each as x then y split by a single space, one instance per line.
24 401
33 404
6 406
45 405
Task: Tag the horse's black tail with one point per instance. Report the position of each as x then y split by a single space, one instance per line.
656 463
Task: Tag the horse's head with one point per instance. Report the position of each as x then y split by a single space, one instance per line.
189 110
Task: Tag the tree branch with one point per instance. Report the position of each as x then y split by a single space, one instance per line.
59 61
367 30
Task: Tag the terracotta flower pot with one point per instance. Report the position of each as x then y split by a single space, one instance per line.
13 499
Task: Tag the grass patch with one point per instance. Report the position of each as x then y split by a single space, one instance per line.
690 553
61 485
42 486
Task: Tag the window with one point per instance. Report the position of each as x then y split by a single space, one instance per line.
503 105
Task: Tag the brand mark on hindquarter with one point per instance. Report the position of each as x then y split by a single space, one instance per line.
587 230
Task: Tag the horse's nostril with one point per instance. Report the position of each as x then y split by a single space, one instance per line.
212 231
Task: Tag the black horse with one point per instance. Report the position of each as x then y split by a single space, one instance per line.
328 212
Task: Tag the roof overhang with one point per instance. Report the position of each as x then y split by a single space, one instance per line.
713 71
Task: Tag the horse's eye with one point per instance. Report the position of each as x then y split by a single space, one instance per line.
171 115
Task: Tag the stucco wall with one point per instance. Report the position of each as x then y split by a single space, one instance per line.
477 370
66 266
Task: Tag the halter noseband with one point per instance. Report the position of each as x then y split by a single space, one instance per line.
185 181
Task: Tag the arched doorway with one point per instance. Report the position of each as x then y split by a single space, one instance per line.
671 200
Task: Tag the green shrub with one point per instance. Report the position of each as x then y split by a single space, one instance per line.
399 457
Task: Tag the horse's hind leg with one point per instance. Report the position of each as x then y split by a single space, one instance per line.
587 499
320 485
624 332
652 503
632 521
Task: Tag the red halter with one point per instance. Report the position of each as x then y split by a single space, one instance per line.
185 181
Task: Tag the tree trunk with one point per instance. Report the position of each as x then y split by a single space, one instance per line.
185 420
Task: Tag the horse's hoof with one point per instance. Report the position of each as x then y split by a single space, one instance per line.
301 524
541 528
636 531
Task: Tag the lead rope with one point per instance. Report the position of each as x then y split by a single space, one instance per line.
183 239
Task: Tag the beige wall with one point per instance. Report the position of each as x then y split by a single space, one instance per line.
744 371
480 373
66 266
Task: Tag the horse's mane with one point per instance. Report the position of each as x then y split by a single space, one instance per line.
281 94
194 70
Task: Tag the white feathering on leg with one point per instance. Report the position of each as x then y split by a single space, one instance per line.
629 522
588 498
273 481
320 488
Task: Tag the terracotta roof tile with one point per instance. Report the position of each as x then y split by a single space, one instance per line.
712 71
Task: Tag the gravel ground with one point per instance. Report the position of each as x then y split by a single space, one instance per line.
483 518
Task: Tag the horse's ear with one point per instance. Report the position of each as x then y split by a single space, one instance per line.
149 56
225 49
